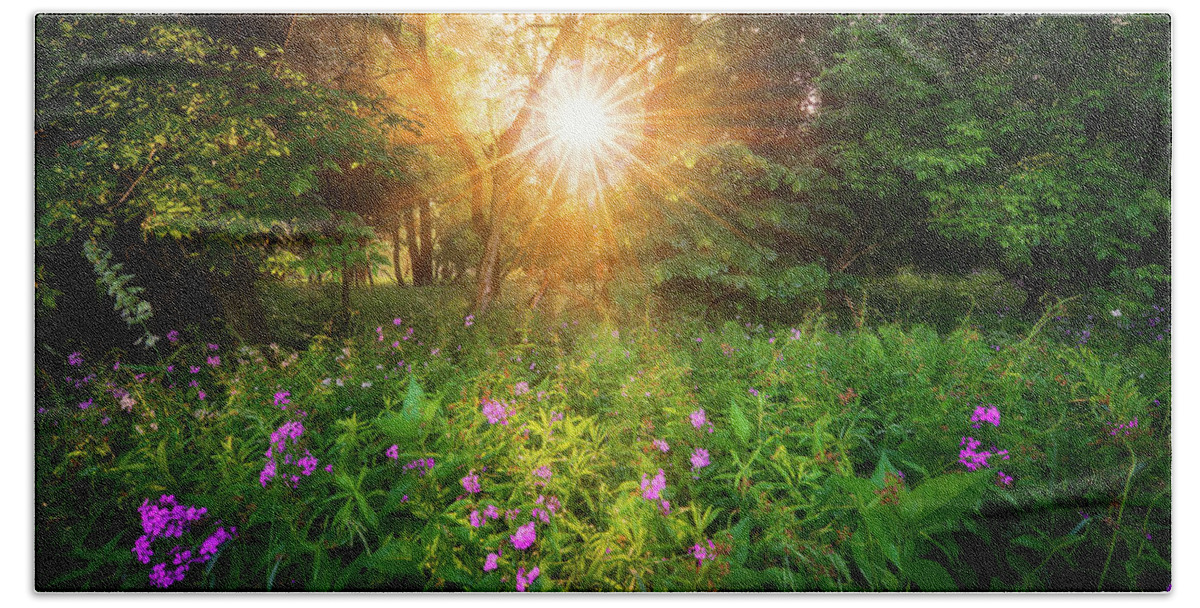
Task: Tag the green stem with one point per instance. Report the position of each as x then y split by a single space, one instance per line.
1120 511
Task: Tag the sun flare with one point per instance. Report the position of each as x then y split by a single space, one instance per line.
588 131
579 123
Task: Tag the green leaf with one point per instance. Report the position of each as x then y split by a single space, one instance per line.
741 426
929 575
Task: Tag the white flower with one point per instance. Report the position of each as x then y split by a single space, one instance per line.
1116 313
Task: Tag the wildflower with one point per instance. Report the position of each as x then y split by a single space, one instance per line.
524 580
214 361
701 553
524 537
85 405
468 320
195 369
201 395
651 489
1115 313
987 413
470 483
753 392
213 347
267 474
366 385
281 398
75 359
543 472
1002 479
496 411
105 420
475 519
172 336
491 563
491 512
665 506
307 464
328 468
699 459
521 388
541 514
393 452
661 445
698 418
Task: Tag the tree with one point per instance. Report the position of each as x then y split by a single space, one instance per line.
153 134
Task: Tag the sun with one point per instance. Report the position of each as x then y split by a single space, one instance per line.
579 123
588 129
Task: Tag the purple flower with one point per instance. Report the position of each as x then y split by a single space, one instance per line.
470 483
701 553
195 369
520 388
1002 479
698 418
75 359
214 361
651 489
307 463
543 472
987 413
699 459
524 580
661 445
491 563
393 452
491 512
172 336
85 405
267 474
753 392
496 411
469 320
201 395
476 521
281 398
524 537
541 514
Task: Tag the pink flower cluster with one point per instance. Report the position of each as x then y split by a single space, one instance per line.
470 483
279 447
497 411
971 458
1126 428
422 465
699 419
701 554
525 536
987 413
169 519
524 580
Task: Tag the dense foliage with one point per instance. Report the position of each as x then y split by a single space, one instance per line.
426 454
673 302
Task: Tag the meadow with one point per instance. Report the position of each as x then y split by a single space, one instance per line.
437 452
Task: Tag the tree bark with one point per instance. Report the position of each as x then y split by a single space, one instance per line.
505 174
423 262
396 257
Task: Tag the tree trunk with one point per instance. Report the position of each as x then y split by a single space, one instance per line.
423 262
396 257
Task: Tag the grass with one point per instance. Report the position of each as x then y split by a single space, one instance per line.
834 455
